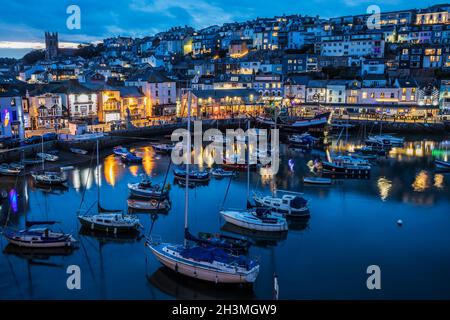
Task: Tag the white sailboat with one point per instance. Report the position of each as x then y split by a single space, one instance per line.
204 263
113 221
47 178
258 219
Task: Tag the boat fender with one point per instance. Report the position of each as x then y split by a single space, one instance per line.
176 267
217 279
92 226
115 230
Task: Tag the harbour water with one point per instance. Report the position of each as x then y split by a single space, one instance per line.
353 225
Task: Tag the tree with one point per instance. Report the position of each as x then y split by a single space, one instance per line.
33 57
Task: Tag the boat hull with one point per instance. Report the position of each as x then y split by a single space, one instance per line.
256 224
195 270
320 181
331 168
106 228
442 164
289 213
148 205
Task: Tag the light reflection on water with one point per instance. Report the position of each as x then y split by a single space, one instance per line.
385 186
346 219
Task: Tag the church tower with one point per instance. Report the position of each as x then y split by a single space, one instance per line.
51 45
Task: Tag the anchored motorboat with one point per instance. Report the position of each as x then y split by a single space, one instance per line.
78 151
291 205
47 156
7 170
304 140
163 148
120 151
388 139
220 173
131 157
49 178
147 189
259 219
194 175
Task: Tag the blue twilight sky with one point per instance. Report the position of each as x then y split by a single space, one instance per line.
26 20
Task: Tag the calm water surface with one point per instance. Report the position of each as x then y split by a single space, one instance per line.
353 225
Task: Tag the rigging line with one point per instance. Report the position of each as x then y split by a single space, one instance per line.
91 270
228 188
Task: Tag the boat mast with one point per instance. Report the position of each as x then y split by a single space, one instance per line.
97 172
248 162
187 159
42 150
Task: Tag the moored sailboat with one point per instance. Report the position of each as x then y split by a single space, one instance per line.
204 263
107 220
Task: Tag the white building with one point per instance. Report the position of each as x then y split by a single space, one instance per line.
353 45
336 91
46 110
161 92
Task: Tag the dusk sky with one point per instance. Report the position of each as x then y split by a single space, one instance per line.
23 22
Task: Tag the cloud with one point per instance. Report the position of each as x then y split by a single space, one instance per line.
202 13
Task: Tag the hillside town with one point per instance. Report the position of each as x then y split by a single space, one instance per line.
399 68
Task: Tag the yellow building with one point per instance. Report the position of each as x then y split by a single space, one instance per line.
222 103
109 104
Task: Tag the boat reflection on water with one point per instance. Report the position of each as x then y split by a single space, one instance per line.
298 224
259 238
37 253
55 189
119 238
186 288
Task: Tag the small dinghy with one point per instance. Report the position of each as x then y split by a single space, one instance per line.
317 180
258 219
31 162
163 148
110 222
49 178
441 164
131 157
78 151
147 189
371 150
220 173
39 238
194 175
304 140
152 205
120 151
290 205
218 240
7 170
15 165
47 156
